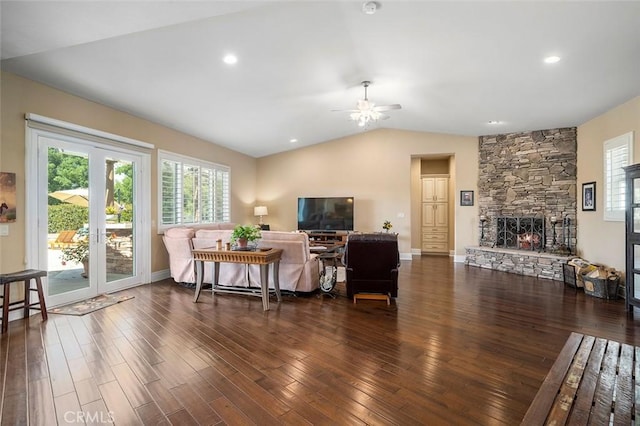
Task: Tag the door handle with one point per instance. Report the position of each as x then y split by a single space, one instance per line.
101 236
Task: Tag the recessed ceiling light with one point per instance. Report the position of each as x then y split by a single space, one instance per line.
230 59
370 7
293 140
494 121
551 59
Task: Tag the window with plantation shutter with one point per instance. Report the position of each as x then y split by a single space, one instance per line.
192 191
618 153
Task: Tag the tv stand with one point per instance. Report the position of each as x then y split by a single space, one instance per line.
327 238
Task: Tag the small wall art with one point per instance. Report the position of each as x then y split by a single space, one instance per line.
589 196
7 197
466 198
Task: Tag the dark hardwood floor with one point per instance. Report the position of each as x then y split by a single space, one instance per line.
460 345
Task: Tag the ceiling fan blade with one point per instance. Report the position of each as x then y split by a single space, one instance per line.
345 110
387 107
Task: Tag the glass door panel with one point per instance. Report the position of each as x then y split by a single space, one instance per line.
636 191
636 256
636 219
119 223
68 250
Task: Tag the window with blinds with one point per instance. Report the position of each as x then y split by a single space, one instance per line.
192 191
618 153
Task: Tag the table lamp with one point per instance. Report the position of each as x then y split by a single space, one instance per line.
260 211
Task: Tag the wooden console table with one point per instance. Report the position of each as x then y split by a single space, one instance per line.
591 382
262 257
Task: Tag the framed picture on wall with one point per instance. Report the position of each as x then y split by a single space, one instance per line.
466 198
589 196
7 197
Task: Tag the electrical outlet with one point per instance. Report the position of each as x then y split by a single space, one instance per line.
4 230
400 215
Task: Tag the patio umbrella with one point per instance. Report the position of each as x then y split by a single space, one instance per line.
78 196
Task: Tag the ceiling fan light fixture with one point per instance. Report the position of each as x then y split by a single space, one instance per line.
367 112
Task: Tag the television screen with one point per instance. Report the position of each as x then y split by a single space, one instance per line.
325 214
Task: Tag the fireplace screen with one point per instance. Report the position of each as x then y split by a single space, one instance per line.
522 233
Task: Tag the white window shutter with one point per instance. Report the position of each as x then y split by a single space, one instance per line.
192 191
618 153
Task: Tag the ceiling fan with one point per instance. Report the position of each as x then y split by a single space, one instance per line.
367 112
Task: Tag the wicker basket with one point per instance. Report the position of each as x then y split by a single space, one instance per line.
604 288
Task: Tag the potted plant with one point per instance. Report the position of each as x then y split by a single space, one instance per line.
111 213
78 253
242 234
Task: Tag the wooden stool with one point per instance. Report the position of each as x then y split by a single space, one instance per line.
26 276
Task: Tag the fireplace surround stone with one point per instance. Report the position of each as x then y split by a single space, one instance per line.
527 174
521 262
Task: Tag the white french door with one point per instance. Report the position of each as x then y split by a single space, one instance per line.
90 206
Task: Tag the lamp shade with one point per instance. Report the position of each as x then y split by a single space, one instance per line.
260 211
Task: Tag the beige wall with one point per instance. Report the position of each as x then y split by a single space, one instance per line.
415 222
21 96
435 166
379 168
598 240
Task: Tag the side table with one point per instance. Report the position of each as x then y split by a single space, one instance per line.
263 257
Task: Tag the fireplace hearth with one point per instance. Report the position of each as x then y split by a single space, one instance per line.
520 233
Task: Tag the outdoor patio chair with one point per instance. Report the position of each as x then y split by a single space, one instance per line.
64 239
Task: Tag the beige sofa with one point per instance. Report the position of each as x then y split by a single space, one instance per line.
179 243
230 273
299 269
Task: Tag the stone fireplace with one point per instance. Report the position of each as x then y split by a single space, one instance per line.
524 180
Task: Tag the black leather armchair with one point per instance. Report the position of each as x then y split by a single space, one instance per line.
372 262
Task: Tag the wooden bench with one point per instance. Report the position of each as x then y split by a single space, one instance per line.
590 383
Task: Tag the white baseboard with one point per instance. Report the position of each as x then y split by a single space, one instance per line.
160 275
459 258
405 256
416 252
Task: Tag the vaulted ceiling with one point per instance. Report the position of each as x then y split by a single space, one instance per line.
453 66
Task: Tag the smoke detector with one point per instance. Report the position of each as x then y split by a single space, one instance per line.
370 7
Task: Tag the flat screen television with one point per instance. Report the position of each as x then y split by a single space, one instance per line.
325 213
